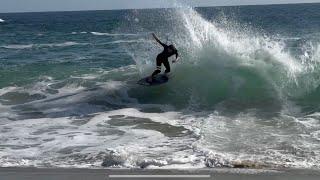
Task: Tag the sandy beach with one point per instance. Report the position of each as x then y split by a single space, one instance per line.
124 174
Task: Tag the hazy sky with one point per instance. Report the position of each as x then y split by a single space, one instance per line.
69 5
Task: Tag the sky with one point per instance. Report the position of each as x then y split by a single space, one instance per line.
72 5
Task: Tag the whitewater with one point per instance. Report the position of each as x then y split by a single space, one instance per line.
244 94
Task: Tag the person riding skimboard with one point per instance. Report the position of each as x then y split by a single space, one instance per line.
162 58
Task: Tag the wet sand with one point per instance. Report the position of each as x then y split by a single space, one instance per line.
154 174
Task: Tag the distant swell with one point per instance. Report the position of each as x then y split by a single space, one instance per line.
126 41
29 46
82 32
109 34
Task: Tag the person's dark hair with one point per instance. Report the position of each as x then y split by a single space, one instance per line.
171 46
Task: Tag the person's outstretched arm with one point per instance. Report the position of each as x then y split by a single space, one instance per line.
156 38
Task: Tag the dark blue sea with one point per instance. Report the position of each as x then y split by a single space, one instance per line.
245 92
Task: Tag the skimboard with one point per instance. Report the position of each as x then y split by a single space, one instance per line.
157 80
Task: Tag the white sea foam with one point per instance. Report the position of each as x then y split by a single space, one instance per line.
1 20
138 147
56 134
7 89
87 76
36 138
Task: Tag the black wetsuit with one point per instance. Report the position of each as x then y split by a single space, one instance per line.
162 58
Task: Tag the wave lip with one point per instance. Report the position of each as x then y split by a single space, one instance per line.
1 20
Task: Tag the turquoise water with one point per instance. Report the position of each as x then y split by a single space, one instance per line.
245 91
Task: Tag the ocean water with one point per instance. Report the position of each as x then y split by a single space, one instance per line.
245 93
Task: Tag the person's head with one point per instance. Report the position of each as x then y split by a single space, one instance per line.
171 48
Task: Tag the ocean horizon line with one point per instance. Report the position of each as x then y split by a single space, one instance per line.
217 6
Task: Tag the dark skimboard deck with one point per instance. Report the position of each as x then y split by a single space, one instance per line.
158 80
